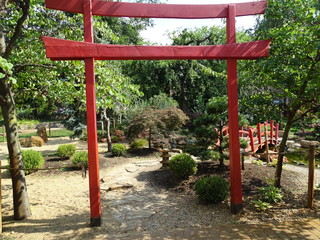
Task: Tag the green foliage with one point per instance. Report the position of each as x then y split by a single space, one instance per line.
66 150
162 101
212 189
261 205
115 139
243 143
79 158
257 162
118 149
32 159
138 143
209 155
157 121
183 165
270 194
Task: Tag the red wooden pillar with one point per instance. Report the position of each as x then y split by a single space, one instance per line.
234 144
94 180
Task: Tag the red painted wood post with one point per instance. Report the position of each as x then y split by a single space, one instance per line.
259 134
271 131
234 144
94 180
251 139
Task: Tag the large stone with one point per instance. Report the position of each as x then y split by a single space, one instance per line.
33 141
42 132
36 141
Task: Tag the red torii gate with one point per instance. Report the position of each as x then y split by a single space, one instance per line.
58 49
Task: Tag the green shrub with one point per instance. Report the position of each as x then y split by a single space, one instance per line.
194 150
270 194
32 159
209 155
118 149
80 157
243 143
115 139
261 205
138 143
183 165
66 150
212 189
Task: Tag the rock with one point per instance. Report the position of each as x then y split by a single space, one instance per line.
24 142
42 132
33 141
36 141
306 143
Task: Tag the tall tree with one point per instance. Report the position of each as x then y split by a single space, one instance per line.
8 42
290 77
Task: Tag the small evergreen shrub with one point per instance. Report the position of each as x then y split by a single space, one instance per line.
118 149
32 159
80 157
183 165
138 143
209 155
212 189
243 143
66 150
270 194
115 139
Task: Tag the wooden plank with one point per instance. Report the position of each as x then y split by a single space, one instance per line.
145 10
59 49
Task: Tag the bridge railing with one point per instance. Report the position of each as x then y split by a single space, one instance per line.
256 135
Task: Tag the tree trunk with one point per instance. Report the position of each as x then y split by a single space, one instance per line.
19 186
150 133
108 134
282 148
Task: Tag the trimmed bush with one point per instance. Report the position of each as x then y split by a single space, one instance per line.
209 155
80 157
115 139
66 150
138 143
183 165
212 189
32 159
118 149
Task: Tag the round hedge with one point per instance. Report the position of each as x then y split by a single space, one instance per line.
32 159
212 189
66 150
118 149
80 157
183 165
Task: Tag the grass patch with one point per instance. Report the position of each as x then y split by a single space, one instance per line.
54 133
60 133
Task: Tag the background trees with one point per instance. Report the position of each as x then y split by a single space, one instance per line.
287 81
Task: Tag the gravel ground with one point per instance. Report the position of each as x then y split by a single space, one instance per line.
60 201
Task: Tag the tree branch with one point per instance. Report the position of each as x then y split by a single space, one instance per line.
19 67
25 6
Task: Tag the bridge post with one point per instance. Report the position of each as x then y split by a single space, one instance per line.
234 144
94 181
271 131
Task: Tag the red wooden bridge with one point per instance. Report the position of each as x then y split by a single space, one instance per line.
257 136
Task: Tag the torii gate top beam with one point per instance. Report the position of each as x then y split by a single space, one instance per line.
144 10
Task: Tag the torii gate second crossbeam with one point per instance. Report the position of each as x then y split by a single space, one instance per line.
88 51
